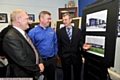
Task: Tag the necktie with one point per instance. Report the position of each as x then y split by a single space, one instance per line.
30 42
69 33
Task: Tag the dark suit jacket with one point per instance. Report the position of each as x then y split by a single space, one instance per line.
64 44
20 55
2 33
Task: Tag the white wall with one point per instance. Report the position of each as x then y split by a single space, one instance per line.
32 7
116 67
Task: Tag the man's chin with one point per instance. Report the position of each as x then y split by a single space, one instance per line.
27 27
48 25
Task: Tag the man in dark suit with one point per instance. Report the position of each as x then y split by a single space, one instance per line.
4 69
69 43
24 60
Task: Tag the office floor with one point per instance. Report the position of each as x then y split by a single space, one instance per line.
113 75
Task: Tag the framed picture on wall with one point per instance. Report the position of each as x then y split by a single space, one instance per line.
3 18
72 11
75 22
31 17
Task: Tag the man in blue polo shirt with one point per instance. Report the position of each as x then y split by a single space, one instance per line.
45 40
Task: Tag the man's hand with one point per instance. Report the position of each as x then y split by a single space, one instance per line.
41 66
86 46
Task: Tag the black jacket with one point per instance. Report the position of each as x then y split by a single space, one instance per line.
20 55
66 46
4 31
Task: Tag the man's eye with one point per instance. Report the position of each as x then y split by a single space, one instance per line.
49 19
28 18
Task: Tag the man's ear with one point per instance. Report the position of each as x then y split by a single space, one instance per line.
70 20
41 18
18 19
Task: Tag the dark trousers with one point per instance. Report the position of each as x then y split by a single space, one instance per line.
76 62
50 67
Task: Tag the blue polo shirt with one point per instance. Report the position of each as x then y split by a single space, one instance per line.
45 41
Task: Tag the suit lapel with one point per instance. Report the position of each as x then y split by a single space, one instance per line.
17 32
20 35
73 33
66 35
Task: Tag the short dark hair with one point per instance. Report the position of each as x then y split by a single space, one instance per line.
42 13
67 14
